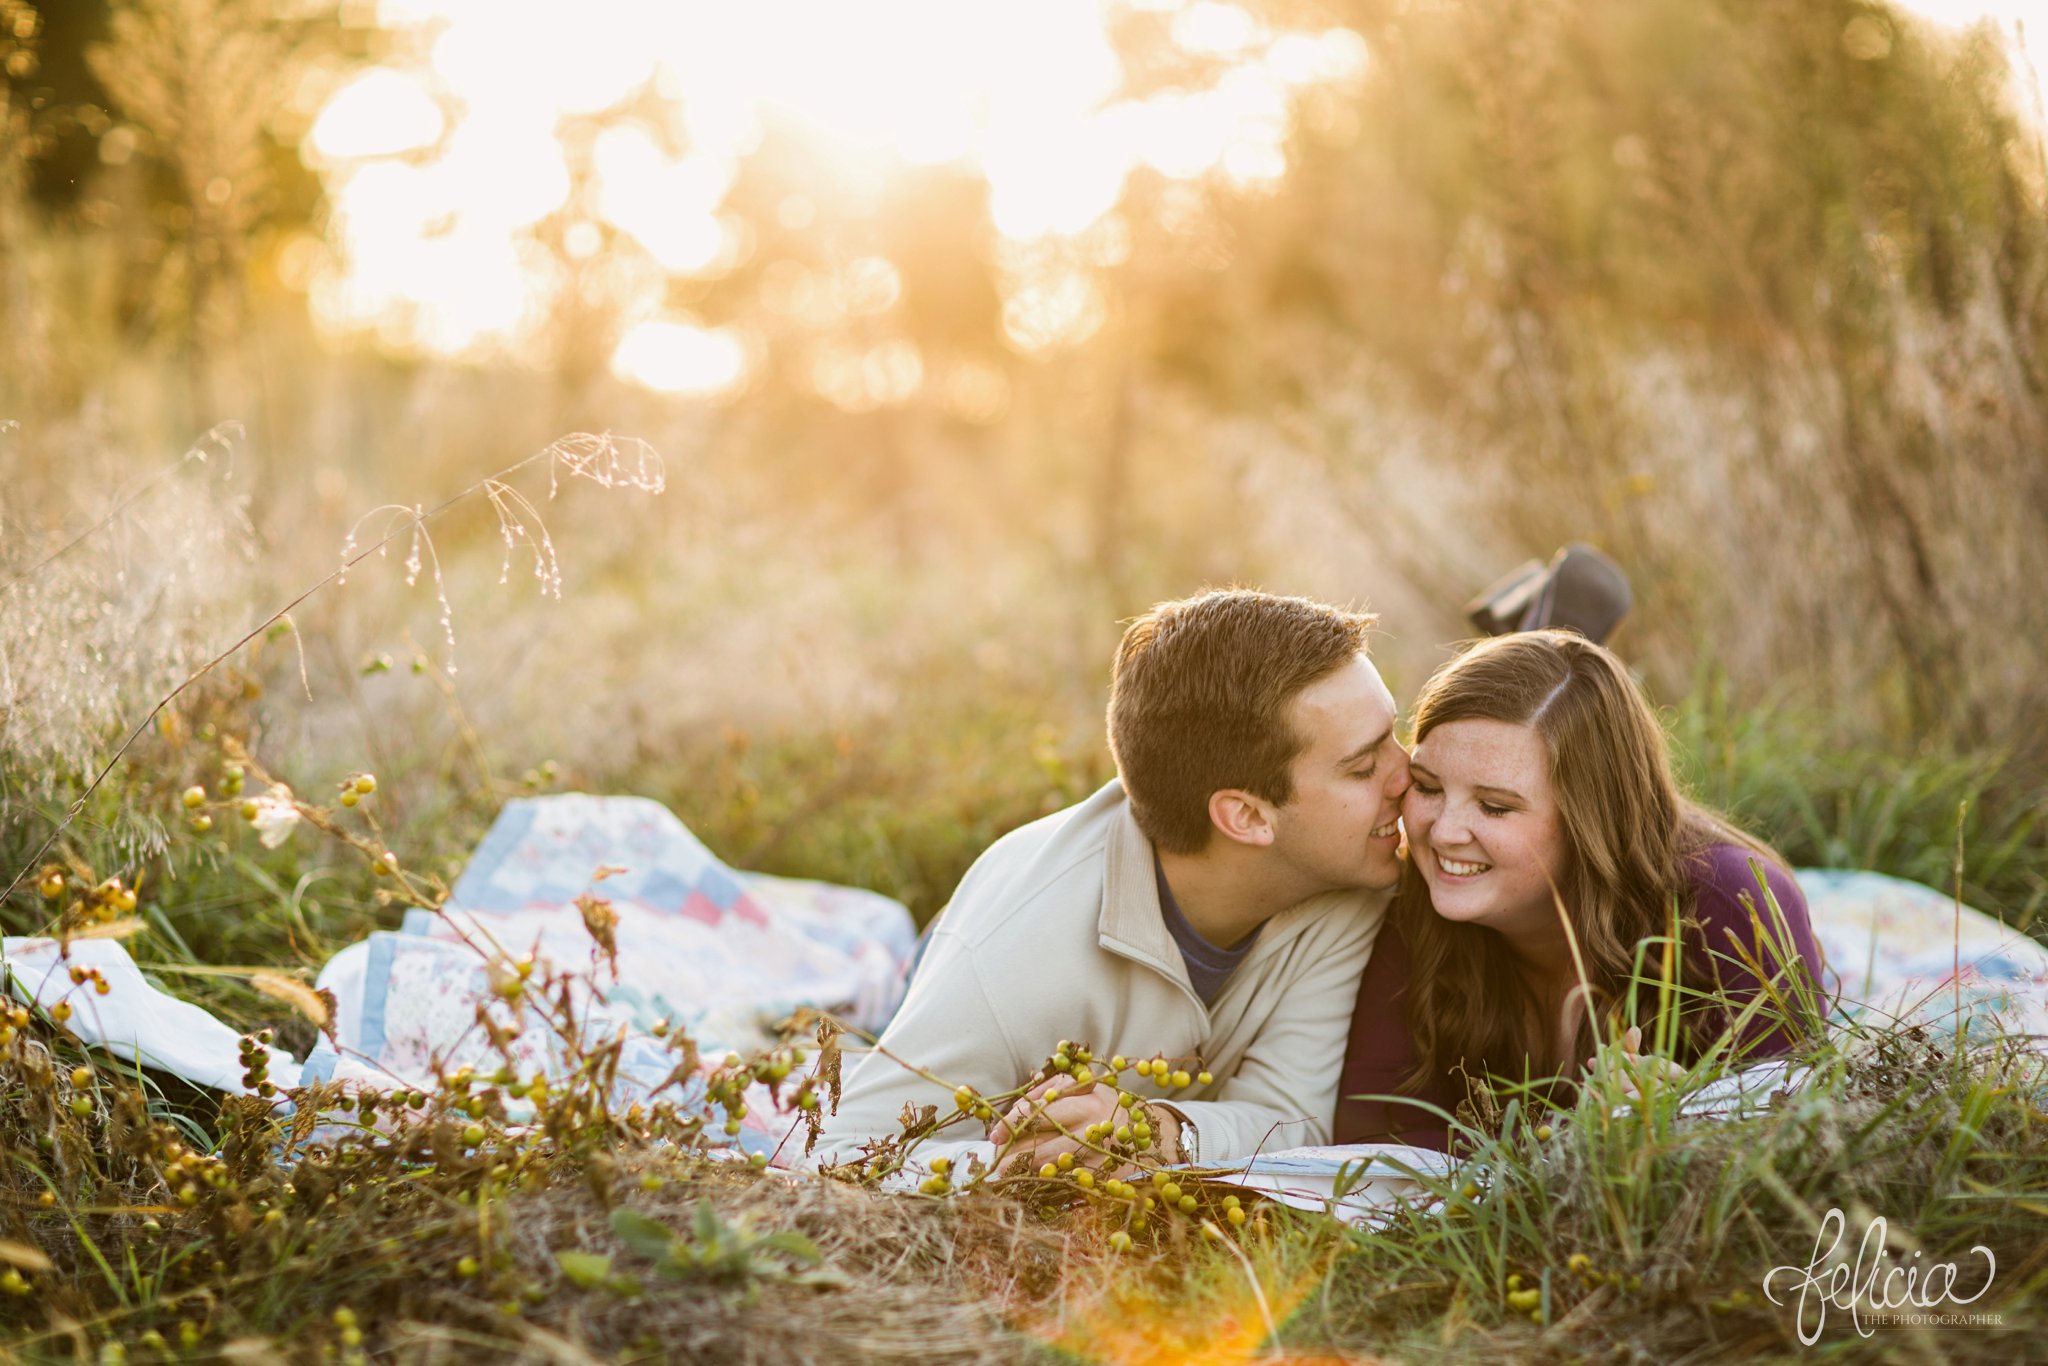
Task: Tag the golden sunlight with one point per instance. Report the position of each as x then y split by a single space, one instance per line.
489 118
681 358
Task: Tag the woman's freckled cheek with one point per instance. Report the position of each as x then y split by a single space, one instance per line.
1411 811
1418 815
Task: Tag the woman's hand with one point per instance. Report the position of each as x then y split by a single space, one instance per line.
1626 1059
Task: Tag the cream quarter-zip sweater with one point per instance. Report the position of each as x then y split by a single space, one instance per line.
1056 933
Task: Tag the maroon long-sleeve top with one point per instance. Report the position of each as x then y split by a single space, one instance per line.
1382 1051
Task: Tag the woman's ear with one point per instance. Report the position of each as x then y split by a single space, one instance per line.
1242 817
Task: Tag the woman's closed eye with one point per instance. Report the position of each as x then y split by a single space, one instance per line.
1429 789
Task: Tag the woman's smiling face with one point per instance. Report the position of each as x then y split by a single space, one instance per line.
1484 827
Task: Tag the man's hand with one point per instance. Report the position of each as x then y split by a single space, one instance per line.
1032 1127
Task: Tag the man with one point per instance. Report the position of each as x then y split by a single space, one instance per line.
1214 904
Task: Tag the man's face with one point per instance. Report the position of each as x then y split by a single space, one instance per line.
1341 828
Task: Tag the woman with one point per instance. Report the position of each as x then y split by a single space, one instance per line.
1548 844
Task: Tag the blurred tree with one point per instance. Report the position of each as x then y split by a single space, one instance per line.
76 104
200 78
22 133
1801 203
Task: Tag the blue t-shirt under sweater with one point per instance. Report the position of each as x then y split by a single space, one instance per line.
1208 966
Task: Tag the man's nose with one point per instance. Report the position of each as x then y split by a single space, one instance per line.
1399 777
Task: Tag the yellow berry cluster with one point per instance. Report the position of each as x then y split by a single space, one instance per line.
197 804
772 1068
95 903
351 1334
189 1175
727 1087
13 1020
1523 1298
255 1053
1161 1194
1590 1277
969 1102
1168 1076
1117 1142
80 976
940 1181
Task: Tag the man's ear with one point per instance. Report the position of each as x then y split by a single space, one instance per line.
1242 817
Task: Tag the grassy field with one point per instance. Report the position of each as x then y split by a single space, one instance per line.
1753 295
148 1221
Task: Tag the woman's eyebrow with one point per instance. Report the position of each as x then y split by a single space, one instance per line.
1507 794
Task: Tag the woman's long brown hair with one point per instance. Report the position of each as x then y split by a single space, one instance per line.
1629 836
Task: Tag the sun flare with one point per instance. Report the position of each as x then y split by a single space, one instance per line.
443 160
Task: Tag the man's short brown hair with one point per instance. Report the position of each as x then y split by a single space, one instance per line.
1198 702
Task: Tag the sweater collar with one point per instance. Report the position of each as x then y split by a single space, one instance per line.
1133 923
